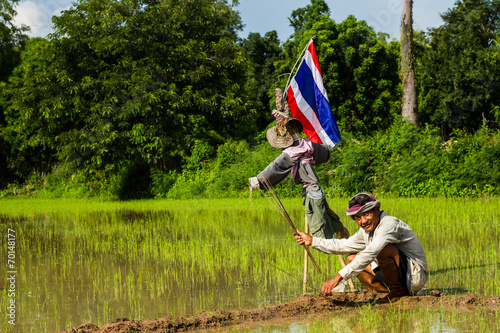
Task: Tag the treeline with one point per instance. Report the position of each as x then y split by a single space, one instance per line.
134 99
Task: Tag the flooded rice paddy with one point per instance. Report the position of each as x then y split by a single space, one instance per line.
90 261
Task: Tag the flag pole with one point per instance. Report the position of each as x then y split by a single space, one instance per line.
296 62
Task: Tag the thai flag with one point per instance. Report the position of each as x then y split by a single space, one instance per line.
308 101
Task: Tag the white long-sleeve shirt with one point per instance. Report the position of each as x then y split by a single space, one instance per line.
368 245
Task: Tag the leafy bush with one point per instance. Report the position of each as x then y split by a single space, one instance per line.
400 161
161 182
404 161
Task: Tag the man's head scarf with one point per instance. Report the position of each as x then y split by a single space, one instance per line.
363 207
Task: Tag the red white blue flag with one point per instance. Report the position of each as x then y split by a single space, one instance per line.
309 103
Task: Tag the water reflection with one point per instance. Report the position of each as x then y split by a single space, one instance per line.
360 320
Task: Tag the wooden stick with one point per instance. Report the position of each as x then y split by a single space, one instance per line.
342 262
306 230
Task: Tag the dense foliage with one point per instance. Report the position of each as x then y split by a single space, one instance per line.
12 41
459 76
404 161
161 98
263 52
399 161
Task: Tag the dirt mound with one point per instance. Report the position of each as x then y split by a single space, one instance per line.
297 307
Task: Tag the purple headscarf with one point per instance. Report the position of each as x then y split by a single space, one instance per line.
361 208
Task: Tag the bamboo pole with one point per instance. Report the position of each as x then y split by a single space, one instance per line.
306 230
342 262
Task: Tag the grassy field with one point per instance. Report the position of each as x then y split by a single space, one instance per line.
91 261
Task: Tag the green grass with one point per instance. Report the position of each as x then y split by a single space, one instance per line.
91 261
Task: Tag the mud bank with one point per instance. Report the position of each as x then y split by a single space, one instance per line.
298 307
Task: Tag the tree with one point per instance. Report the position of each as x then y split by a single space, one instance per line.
31 141
303 18
263 53
460 70
410 101
138 81
360 71
12 38
12 41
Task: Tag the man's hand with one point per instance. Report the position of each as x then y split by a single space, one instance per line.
302 238
327 287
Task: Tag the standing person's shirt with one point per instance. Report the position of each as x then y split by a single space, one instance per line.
368 245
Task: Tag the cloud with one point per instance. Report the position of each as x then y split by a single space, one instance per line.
38 16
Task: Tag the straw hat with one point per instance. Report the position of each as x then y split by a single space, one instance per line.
284 133
287 129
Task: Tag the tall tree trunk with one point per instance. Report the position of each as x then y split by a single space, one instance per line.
410 102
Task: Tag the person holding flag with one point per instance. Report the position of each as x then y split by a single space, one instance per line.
307 110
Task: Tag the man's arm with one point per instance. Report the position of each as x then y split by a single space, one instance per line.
353 244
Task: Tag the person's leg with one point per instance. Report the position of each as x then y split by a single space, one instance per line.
390 264
368 279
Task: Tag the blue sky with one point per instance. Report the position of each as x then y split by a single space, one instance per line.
265 15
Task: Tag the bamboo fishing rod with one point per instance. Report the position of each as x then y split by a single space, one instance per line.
279 206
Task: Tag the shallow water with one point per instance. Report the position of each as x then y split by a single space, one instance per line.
359 320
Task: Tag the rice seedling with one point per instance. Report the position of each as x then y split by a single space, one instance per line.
91 261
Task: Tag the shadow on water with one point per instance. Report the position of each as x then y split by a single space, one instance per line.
9 220
119 215
458 279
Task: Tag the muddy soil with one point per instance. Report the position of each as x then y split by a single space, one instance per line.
298 307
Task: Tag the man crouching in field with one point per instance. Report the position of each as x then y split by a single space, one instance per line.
383 252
